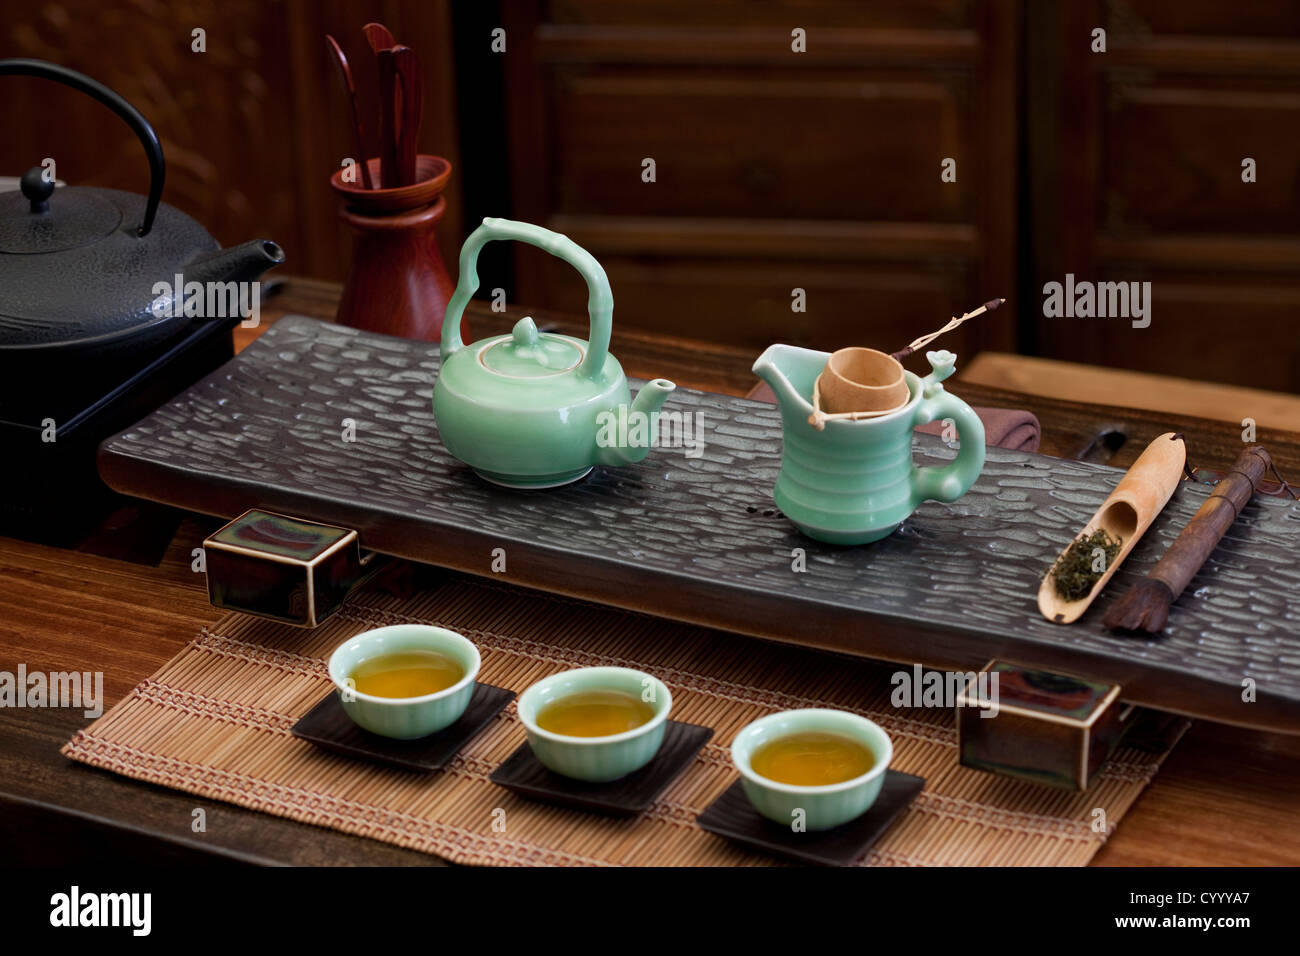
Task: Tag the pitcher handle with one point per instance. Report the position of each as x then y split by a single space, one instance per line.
948 482
600 300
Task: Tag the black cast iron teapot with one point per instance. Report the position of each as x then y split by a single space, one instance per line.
81 268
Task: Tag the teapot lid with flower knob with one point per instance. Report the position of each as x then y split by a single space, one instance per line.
536 409
528 353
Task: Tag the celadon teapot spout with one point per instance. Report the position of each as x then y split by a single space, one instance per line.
534 409
853 482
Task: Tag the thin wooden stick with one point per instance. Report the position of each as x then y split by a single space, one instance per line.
924 340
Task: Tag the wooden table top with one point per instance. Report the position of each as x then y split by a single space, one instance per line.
1224 797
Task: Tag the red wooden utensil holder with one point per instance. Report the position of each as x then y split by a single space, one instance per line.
398 284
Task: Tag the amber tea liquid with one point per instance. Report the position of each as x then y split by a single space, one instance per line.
406 674
599 713
812 759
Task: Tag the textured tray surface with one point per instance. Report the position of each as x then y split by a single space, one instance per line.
699 539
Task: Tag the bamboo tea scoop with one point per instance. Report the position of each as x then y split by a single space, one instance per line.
1140 495
1145 606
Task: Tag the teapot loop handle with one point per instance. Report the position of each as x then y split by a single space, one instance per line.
600 300
128 113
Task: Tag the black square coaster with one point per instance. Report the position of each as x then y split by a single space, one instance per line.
734 817
524 774
328 725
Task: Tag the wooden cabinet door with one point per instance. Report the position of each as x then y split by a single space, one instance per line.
725 178
1144 158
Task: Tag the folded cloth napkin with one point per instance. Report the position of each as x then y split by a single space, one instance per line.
1011 428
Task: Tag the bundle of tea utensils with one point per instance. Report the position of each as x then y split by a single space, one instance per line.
401 102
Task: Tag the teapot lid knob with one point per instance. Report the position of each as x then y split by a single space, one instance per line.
526 353
37 188
525 332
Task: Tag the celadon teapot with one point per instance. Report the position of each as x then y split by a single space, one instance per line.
535 409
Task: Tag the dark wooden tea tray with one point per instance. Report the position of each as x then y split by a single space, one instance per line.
699 539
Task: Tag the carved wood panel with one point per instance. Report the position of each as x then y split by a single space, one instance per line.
1145 146
774 170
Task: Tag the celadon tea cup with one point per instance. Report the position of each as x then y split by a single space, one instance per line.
596 759
820 807
404 718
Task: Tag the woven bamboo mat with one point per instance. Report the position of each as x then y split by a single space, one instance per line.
214 721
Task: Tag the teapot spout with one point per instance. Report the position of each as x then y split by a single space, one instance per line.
627 438
242 263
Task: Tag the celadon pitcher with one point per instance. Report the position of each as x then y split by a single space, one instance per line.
854 482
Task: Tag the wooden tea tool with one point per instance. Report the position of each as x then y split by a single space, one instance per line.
358 133
389 93
382 42
411 83
1145 606
379 37
1140 495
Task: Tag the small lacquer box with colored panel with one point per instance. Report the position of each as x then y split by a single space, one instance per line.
282 568
1049 728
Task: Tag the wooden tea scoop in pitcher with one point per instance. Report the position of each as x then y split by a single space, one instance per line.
1124 516
1145 606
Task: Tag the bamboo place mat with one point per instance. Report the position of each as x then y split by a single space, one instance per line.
215 719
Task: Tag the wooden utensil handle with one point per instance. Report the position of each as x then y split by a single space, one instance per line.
389 92
1193 546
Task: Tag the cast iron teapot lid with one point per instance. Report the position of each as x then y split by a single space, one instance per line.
79 265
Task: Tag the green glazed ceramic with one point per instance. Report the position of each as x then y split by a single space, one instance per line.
822 807
404 718
854 482
596 759
534 409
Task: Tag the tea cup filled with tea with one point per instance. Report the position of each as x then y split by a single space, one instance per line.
819 767
405 681
596 723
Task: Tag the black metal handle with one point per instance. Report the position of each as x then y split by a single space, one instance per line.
129 114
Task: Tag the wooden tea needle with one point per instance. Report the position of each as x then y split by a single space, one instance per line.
1126 514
